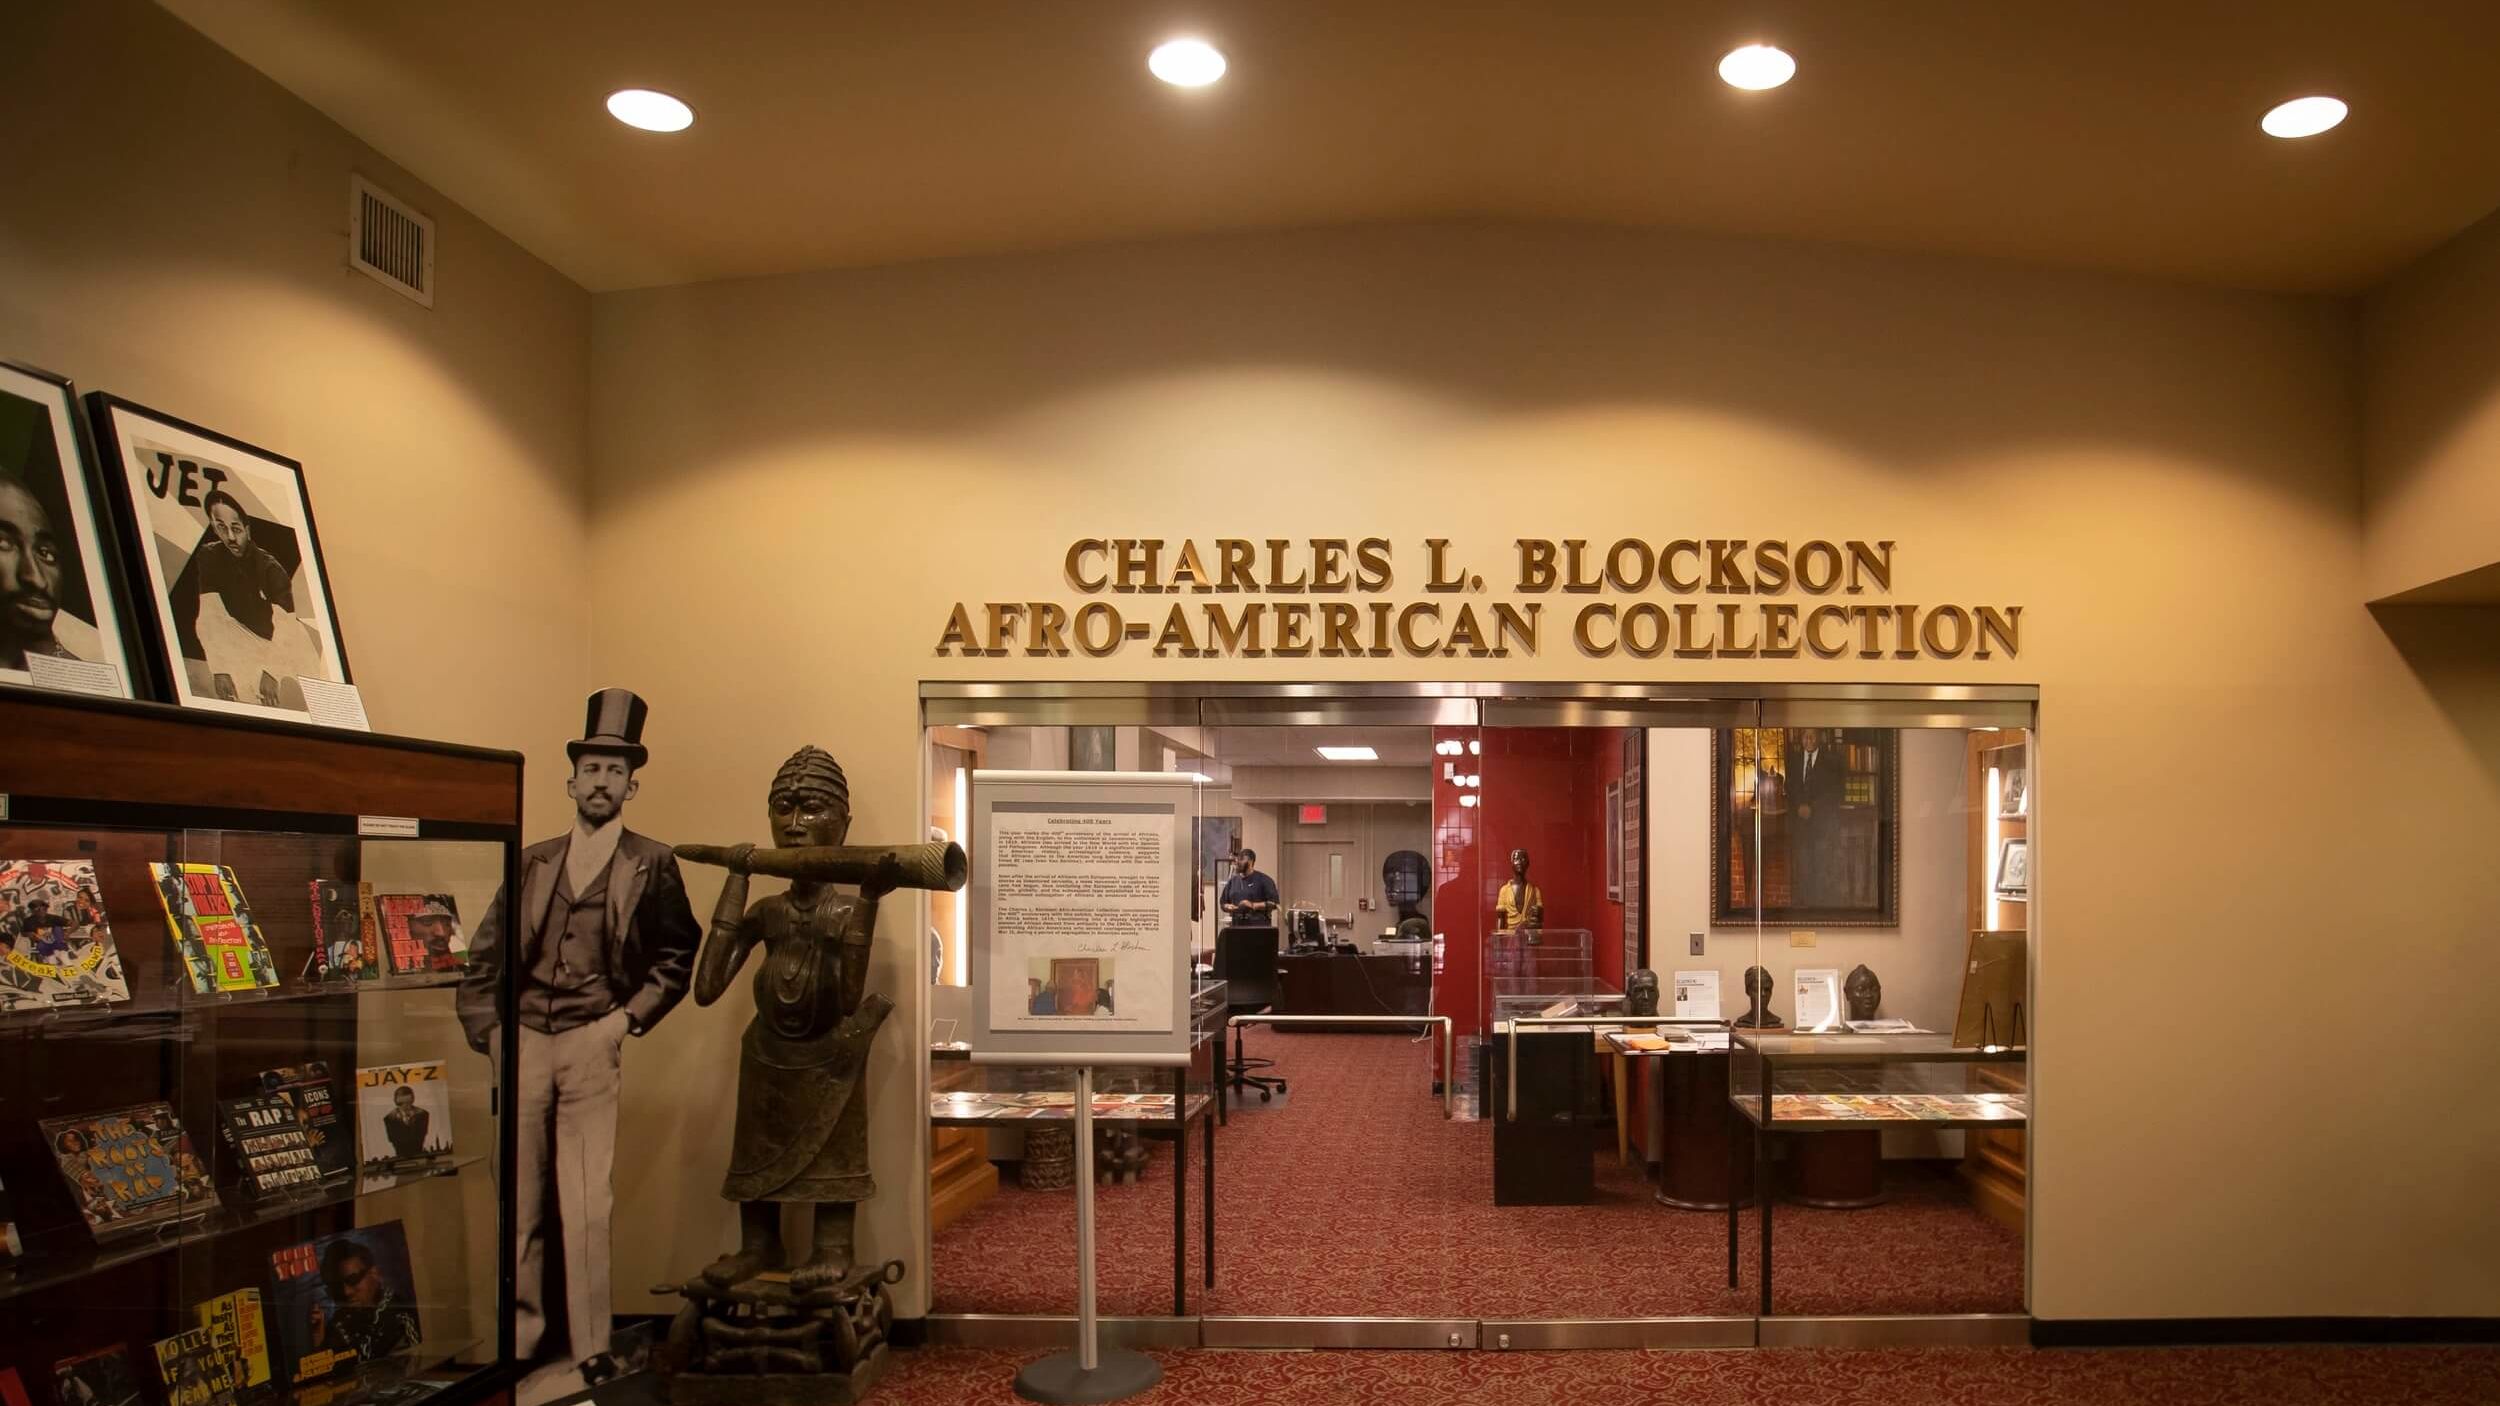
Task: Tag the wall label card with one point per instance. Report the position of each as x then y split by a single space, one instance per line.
1697 995
334 704
1817 995
76 676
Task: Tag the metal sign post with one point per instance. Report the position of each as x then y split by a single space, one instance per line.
1089 1374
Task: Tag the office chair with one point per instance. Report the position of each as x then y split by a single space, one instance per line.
1245 961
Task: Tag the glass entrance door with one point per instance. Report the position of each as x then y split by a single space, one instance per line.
1506 997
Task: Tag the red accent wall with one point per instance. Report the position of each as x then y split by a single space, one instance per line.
1543 790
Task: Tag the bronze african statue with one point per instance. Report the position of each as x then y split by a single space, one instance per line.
748 1335
802 1119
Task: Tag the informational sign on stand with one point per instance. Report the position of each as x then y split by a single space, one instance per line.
1080 912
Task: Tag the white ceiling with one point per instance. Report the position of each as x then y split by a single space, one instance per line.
1292 746
2111 134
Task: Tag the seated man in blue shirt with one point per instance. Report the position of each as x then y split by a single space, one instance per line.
1249 898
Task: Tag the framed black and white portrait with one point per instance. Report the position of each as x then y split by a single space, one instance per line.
2013 869
62 613
232 593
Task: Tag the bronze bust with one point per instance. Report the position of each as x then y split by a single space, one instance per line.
1640 993
1758 991
1865 993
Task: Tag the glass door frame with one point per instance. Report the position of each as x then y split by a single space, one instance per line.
1486 705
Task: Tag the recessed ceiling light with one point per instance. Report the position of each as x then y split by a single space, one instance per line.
1348 754
652 112
1757 66
2303 117
1186 63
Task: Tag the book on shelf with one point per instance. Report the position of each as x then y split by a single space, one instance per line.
347 937
99 1378
308 1090
403 1116
56 949
341 1299
421 932
194 1371
129 1169
220 946
236 1323
269 1144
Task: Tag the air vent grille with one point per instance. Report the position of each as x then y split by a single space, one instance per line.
390 242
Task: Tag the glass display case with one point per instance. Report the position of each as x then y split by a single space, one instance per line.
1546 971
250 1131
1545 1084
1844 1090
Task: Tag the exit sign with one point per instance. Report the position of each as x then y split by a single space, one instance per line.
1315 815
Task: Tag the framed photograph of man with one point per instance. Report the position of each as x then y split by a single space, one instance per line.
1808 819
60 599
234 597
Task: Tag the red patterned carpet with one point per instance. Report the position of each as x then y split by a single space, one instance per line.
1354 1196
2388 1376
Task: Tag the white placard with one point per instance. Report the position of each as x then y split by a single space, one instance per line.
387 827
334 704
1080 917
99 678
1697 995
1817 995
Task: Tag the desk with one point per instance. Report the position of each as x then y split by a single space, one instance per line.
1338 984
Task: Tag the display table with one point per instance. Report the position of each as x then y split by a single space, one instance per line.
1702 1163
1336 983
1163 1115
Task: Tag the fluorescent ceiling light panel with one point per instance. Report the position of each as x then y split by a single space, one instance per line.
1349 754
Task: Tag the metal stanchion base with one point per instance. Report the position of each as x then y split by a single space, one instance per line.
1058 1380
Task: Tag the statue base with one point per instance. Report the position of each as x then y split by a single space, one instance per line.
760 1343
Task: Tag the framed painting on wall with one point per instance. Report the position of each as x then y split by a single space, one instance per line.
1219 839
233 596
62 614
1810 819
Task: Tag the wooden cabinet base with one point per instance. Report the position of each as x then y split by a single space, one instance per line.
1838 1171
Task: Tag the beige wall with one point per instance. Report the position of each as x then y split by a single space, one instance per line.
2431 424
174 232
798 475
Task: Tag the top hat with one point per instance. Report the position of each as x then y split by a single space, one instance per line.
614 725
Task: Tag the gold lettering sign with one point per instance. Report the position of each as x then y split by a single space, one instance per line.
1685 597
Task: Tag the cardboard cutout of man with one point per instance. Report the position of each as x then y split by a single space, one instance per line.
605 945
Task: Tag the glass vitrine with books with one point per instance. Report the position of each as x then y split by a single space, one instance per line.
1797 1081
250 1131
